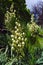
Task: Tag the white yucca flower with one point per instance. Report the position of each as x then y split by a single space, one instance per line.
12 39
12 48
15 27
16 23
12 35
17 41
15 37
19 38
15 31
25 39
23 43
14 11
19 45
23 33
12 45
22 39
19 25
18 34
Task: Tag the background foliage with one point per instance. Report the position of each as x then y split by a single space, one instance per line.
19 34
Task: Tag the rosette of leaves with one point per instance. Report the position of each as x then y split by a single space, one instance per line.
4 56
12 61
40 60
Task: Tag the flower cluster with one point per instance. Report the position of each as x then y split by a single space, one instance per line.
18 38
10 18
33 27
9 15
